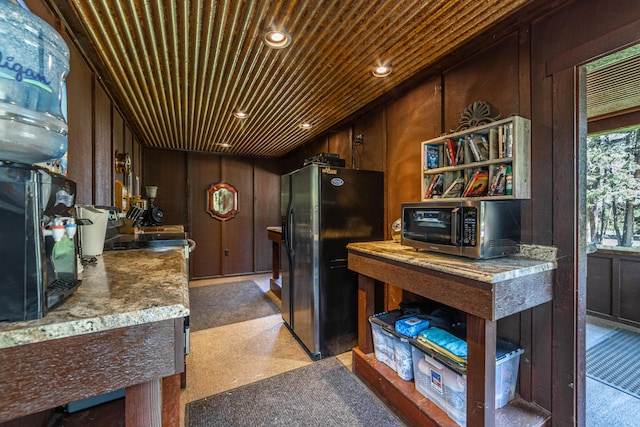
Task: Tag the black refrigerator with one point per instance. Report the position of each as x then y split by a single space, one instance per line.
324 208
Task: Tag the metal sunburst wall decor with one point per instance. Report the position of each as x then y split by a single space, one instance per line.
476 114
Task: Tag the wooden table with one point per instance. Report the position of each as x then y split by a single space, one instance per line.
275 283
122 328
485 290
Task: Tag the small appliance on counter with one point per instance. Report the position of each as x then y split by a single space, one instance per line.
153 215
92 235
477 229
327 159
38 244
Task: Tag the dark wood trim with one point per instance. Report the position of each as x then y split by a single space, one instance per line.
614 121
615 40
568 390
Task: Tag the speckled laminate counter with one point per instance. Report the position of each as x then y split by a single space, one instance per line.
489 271
125 288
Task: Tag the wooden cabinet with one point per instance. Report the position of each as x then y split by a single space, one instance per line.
485 290
489 161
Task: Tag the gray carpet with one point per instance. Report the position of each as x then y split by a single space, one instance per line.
228 303
324 393
615 361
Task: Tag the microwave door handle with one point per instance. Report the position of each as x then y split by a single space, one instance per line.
454 226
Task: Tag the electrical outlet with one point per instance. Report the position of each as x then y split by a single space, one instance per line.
226 252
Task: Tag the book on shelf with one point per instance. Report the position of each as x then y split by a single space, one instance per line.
508 140
472 141
451 149
477 184
460 151
435 186
493 143
497 186
483 144
505 140
455 189
431 157
493 187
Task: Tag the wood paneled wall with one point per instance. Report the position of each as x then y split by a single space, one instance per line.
612 285
531 71
232 247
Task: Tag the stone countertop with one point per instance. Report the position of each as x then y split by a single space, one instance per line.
124 288
490 270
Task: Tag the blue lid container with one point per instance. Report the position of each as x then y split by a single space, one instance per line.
34 62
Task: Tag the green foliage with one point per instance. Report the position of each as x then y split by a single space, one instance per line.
612 181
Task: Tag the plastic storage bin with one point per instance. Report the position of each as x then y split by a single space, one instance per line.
390 348
34 62
429 375
451 397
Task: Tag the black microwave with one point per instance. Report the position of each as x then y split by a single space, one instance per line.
477 229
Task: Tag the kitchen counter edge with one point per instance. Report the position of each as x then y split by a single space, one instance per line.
124 288
532 260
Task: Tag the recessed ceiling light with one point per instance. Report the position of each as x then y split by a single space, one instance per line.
224 144
382 70
239 114
305 125
277 39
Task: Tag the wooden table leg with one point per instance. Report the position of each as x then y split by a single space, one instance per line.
366 307
143 405
171 401
481 369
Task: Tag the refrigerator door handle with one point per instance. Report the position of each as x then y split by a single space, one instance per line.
287 232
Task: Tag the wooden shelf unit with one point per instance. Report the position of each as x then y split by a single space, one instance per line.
519 160
483 301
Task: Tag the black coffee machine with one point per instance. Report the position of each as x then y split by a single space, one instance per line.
38 243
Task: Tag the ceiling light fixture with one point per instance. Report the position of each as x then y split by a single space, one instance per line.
277 39
224 144
382 70
239 114
305 125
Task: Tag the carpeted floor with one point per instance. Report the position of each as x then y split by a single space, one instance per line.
615 361
223 304
324 393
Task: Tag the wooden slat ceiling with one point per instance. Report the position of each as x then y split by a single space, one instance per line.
181 67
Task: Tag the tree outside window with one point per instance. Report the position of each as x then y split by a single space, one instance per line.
613 197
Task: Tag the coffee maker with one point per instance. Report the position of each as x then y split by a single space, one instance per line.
38 243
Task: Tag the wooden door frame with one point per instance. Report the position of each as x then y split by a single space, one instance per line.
569 124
